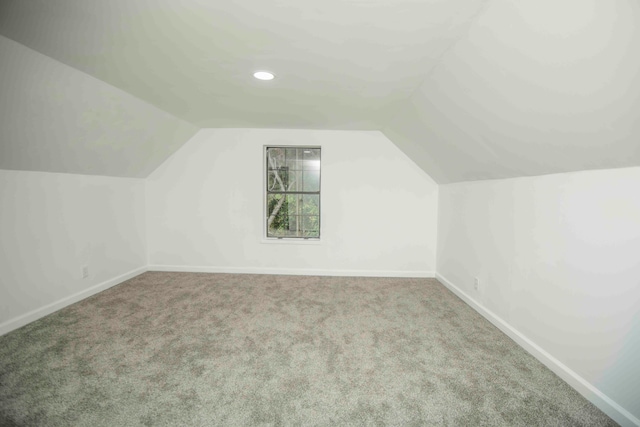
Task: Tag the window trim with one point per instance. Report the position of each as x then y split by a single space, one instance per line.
265 213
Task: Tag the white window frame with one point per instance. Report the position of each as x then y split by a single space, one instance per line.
265 213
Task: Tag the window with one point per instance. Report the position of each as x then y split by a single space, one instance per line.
292 192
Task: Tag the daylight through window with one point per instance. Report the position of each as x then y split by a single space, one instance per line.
293 192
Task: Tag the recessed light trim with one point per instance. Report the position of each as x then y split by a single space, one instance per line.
264 75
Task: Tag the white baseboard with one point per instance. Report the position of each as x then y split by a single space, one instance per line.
292 271
38 313
588 390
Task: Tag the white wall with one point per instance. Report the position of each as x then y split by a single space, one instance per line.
559 261
51 225
205 213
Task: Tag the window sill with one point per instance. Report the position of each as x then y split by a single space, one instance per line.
285 241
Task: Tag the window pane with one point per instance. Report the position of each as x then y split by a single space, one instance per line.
291 153
278 179
311 165
275 157
311 159
278 218
310 204
311 180
295 181
310 226
292 204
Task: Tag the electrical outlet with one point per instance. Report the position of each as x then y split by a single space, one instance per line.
85 272
476 284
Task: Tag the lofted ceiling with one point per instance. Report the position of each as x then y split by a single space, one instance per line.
340 64
535 87
469 89
57 119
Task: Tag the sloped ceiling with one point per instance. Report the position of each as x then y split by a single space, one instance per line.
469 89
535 87
55 118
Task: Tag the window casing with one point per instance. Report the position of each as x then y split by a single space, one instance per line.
292 192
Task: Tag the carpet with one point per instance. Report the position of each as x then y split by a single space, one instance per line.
194 349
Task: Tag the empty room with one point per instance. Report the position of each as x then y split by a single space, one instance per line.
297 213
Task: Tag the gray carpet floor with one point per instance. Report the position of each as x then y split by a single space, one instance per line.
188 349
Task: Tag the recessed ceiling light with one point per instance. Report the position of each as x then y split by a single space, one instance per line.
263 75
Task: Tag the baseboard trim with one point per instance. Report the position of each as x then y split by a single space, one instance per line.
24 319
292 271
585 388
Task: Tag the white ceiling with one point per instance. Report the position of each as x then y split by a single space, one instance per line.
536 87
340 64
469 89
55 118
